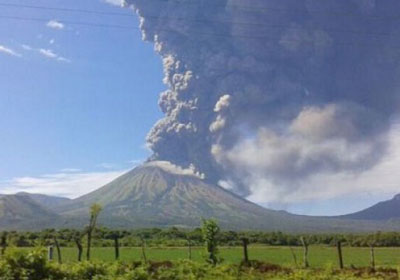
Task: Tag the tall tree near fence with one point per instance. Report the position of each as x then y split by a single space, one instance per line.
115 236
57 244
245 242
143 244
95 210
189 238
304 242
76 237
52 236
293 256
210 230
3 242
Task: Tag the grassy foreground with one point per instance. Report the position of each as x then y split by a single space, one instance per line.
319 256
33 265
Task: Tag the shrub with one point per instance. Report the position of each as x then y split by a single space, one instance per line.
18 265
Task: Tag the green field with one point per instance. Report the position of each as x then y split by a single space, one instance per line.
318 256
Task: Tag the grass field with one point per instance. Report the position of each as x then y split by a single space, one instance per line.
318 256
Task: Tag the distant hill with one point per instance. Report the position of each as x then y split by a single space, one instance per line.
385 210
50 202
21 211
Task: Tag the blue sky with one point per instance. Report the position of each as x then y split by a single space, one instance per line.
73 96
77 101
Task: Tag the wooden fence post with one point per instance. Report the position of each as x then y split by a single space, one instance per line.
143 250
372 256
190 248
50 252
116 246
245 251
339 249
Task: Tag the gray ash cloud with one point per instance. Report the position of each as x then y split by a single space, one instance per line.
276 90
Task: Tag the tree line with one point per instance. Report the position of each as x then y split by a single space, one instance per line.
209 235
178 237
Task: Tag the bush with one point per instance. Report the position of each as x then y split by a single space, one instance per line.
18 265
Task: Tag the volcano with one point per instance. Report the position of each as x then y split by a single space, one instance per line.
156 194
159 195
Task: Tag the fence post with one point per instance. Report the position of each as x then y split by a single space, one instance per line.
372 256
116 247
339 249
50 252
245 251
143 250
190 248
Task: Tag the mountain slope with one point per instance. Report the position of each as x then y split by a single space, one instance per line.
21 211
151 196
50 202
381 211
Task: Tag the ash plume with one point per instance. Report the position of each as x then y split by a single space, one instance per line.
276 90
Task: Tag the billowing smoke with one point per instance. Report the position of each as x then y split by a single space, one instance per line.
274 91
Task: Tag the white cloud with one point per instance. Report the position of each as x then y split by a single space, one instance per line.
63 59
51 54
48 53
65 183
55 24
52 41
120 3
9 51
70 170
26 47
106 165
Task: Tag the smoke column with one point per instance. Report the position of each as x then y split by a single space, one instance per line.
273 90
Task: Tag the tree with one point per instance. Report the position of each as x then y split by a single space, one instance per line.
3 243
189 243
76 237
143 243
245 242
210 230
95 210
50 236
55 235
304 242
293 256
189 238
114 235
